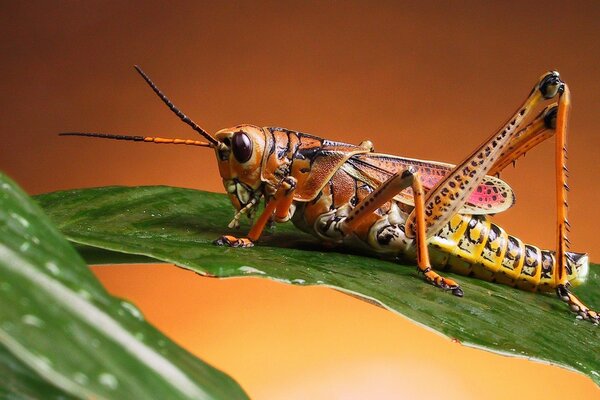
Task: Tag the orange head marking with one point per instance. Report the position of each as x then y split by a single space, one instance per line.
240 159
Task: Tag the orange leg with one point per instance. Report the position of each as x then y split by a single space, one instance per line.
280 205
562 284
385 193
552 120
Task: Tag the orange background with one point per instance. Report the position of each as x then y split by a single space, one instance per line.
421 79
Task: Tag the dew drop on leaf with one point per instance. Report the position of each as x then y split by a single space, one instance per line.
108 380
133 310
52 268
20 219
32 320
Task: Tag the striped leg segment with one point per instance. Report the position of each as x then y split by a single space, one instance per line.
385 193
279 205
562 285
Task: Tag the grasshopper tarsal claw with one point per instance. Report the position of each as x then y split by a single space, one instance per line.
232 241
582 311
442 283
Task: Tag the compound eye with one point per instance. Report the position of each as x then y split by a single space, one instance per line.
241 146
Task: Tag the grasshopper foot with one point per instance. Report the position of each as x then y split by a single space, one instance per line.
443 283
577 306
232 241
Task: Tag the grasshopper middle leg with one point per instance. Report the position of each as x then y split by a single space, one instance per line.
385 193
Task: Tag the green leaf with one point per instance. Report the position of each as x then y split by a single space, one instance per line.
178 226
63 335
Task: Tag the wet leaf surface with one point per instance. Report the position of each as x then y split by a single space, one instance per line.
63 336
178 226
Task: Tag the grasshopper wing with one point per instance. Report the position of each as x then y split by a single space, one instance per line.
492 196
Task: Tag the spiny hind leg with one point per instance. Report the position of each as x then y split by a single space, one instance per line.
449 195
563 243
385 193
552 121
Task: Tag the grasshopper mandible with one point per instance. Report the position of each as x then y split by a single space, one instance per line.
433 212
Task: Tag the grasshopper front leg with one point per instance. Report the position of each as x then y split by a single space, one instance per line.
385 193
279 205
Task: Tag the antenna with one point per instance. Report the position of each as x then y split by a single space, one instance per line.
177 112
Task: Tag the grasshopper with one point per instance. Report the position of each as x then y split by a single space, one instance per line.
432 212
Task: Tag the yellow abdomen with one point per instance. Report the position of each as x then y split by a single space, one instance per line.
472 245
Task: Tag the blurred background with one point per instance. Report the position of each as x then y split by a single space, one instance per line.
425 80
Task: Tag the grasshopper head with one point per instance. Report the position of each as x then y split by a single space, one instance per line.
239 153
239 156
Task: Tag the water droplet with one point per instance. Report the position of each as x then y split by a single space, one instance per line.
85 294
25 246
32 320
35 240
139 336
250 270
298 281
594 373
131 309
52 267
20 219
108 380
81 378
